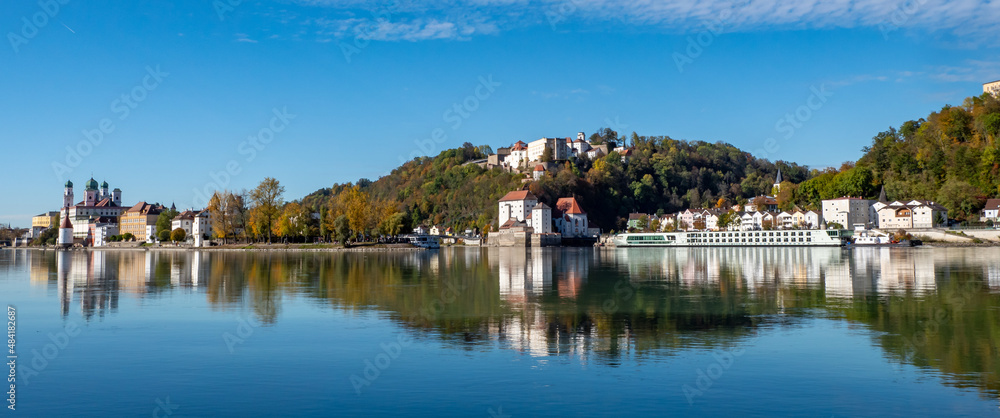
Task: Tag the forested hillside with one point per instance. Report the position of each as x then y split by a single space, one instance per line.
952 156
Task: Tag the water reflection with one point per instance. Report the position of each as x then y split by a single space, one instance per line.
937 308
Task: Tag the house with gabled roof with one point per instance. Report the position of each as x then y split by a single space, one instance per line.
570 219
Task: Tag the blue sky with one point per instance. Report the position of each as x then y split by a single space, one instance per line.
187 92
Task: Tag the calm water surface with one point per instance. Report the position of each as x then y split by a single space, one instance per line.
507 332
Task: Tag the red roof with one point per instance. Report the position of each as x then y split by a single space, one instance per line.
518 195
539 168
65 223
569 205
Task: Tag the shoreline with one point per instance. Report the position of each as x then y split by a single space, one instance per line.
245 248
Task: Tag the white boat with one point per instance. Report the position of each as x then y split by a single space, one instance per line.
425 241
869 237
781 238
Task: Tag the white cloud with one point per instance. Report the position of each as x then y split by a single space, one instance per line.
970 21
242 37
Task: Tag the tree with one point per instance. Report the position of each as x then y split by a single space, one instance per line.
293 221
178 235
223 208
163 236
163 221
342 229
546 155
960 198
267 200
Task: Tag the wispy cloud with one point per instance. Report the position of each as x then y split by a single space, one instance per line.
242 37
967 71
968 21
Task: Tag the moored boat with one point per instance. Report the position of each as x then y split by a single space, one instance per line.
777 238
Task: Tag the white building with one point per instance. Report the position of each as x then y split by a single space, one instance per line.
558 146
812 219
201 228
541 219
580 146
420 230
518 155
571 221
515 206
849 211
992 88
912 214
185 221
435 230
539 172
101 230
992 210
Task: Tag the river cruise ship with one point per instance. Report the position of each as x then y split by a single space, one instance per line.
811 238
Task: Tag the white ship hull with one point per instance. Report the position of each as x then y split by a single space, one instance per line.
782 238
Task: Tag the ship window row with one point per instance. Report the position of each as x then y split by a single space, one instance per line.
750 234
749 240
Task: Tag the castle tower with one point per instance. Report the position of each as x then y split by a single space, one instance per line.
581 136
116 196
68 194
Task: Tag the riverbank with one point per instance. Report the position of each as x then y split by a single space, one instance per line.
248 247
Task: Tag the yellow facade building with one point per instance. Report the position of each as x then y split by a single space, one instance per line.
137 219
45 220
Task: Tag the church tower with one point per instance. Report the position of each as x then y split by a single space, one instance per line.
91 193
104 192
777 184
68 194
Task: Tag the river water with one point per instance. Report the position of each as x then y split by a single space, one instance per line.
507 332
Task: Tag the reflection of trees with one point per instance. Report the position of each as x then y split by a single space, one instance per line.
933 310
955 330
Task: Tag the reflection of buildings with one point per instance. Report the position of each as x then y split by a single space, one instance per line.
96 278
524 272
755 266
843 273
